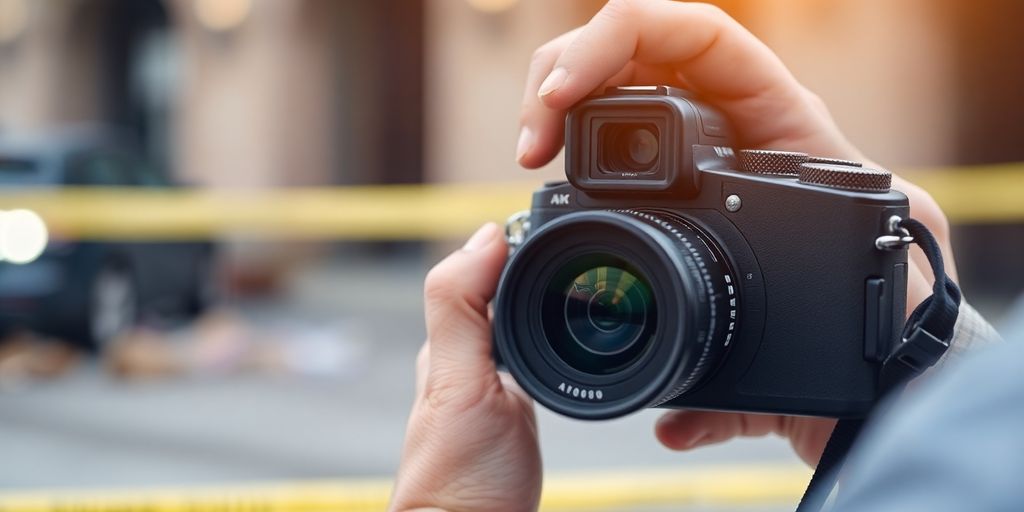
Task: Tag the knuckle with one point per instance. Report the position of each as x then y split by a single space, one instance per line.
525 112
707 12
926 209
815 100
437 392
440 286
544 56
619 9
717 17
540 56
711 10
446 391
445 319
441 390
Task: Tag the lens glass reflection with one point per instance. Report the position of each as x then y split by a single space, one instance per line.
599 313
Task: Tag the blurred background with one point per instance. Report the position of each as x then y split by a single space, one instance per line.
150 344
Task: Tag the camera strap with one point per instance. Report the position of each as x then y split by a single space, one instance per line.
925 338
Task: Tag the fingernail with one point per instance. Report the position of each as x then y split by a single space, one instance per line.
553 82
481 237
525 143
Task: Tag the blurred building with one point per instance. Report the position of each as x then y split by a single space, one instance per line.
273 92
230 92
268 92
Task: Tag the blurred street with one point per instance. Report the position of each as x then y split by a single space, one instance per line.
91 430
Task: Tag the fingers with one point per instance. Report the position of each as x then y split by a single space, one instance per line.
456 294
698 40
684 430
924 208
712 53
541 129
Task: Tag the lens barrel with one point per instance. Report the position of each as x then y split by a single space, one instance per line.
602 313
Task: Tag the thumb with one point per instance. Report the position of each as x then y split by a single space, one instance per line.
456 295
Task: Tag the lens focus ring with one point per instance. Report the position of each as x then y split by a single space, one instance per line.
712 274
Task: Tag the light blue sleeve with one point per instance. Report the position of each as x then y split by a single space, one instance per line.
954 444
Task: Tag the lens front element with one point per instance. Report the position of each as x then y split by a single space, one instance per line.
598 313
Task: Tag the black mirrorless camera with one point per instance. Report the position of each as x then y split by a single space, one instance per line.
671 271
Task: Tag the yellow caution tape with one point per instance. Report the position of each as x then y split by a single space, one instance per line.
718 485
976 194
373 212
983 194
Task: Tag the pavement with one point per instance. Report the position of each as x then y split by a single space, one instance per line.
90 430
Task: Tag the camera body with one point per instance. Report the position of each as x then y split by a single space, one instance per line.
667 272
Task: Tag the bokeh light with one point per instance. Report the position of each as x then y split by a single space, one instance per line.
23 236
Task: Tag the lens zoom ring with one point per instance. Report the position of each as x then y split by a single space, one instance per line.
699 268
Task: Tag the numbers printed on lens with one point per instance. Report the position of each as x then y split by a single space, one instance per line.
575 392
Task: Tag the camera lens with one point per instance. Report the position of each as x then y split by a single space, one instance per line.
602 313
598 313
629 147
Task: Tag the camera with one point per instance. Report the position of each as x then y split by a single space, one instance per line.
672 271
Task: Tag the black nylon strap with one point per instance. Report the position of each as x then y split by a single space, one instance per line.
925 338
930 327
824 477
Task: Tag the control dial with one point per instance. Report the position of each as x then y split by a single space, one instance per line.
846 177
765 161
834 161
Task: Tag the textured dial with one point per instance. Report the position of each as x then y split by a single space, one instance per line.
846 177
834 161
764 161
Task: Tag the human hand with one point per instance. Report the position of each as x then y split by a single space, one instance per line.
700 48
471 442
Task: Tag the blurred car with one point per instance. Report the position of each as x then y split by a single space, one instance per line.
90 291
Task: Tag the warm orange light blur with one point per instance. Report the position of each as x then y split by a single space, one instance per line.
222 15
492 6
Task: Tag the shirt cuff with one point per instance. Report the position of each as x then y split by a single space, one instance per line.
971 333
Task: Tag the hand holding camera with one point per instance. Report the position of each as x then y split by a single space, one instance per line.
472 442
665 273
